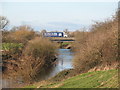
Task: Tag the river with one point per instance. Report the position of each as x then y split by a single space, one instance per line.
63 62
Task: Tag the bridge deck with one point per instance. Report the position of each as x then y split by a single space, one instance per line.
62 39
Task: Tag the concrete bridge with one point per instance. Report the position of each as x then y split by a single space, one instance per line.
62 39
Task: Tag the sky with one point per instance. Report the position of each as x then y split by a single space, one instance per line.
57 16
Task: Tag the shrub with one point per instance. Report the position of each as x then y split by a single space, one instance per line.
98 48
38 54
20 34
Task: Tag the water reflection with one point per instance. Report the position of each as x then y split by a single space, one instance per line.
63 62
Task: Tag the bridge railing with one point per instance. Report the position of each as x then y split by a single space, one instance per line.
62 39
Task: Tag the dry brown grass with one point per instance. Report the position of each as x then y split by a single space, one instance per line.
97 47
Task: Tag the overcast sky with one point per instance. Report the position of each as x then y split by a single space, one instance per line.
57 15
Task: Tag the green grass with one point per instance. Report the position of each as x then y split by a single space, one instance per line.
66 43
9 46
30 87
96 79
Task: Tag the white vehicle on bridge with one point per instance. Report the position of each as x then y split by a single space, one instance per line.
64 34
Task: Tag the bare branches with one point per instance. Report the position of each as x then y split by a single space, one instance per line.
3 22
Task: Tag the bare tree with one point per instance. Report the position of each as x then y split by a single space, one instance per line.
42 32
3 22
67 32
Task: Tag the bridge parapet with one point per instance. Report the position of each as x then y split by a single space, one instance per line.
62 39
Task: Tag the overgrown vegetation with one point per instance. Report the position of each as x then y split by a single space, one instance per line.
39 54
25 54
97 49
14 41
20 34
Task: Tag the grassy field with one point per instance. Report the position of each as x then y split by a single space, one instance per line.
66 43
8 46
97 79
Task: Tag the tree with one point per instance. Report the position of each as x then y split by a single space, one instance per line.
42 32
3 22
21 34
67 32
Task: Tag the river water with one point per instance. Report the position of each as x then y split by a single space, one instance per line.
63 62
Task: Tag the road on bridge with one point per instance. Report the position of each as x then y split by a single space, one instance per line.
62 39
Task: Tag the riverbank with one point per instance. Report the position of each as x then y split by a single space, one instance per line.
65 45
23 65
63 62
96 79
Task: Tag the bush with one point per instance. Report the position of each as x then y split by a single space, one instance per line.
39 54
20 34
97 48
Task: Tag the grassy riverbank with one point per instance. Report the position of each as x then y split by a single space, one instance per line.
96 79
65 45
